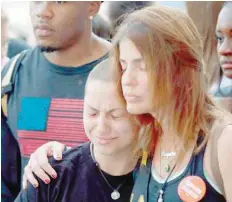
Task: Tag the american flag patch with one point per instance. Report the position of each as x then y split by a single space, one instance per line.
43 119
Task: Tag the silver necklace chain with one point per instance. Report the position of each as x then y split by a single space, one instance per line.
115 194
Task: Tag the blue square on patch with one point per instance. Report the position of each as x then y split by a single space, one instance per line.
34 114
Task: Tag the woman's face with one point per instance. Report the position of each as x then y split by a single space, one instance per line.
134 78
224 39
107 123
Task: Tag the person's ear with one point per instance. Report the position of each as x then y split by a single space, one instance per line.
94 7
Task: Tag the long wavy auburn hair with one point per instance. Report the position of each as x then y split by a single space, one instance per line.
173 52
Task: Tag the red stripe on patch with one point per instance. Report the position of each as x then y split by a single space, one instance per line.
66 107
71 136
64 120
28 146
64 101
65 114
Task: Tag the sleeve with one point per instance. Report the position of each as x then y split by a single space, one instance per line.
31 194
57 190
11 163
42 193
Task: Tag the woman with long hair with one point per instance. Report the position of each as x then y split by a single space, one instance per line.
159 60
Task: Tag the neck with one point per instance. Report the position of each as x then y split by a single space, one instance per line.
83 50
116 165
170 138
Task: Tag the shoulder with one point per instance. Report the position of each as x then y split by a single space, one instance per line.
32 54
67 170
223 121
221 135
219 149
72 159
224 158
27 55
219 132
225 140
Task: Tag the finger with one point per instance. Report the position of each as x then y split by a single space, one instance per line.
39 160
43 164
24 183
28 176
50 151
48 148
58 149
42 175
37 167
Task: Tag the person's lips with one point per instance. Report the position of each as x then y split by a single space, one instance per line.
227 65
104 140
131 98
43 30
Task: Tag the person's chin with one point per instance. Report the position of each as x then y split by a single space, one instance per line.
105 150
134 109
45 42
228 73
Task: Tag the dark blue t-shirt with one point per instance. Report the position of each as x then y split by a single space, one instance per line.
78 180
46 104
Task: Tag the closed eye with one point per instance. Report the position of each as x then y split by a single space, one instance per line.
93 114
118 114
91 111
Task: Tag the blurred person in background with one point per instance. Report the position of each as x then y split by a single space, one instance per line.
10 46
4 37
117 9
102 28
223 92
46 100
16 46
206 24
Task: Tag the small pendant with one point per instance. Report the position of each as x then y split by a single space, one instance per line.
160 199
167 168
115 195
168 154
